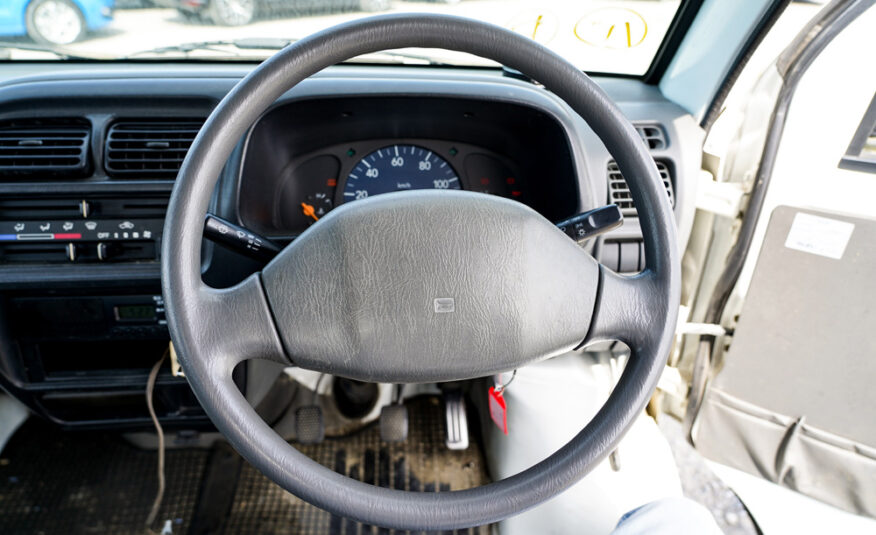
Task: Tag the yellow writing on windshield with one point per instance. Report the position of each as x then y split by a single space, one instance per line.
540 26
612 27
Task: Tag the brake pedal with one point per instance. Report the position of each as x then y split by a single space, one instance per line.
394 423
309 425
457 422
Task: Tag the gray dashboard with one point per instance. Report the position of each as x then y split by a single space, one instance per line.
41 365
105 92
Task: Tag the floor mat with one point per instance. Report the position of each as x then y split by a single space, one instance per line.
422 463
53 482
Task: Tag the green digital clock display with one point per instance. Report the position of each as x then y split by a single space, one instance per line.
135 312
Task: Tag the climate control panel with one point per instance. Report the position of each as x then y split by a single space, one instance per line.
67 230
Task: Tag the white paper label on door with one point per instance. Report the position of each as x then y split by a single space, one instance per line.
819 235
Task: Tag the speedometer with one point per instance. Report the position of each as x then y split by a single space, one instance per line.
399 168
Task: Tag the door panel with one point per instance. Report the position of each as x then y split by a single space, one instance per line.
791 398
793 402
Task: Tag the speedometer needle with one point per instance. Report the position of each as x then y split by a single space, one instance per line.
309 211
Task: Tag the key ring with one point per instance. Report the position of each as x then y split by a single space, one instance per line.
501 388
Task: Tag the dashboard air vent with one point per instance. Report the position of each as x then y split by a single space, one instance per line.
652 135
149 148
619 191
48 147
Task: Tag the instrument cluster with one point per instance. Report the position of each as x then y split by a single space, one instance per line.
348 172
304 158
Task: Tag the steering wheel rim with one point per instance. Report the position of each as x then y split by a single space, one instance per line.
213 330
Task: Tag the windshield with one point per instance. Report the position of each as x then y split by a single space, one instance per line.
597 36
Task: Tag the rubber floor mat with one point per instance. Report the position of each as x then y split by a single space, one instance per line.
70 483
422 463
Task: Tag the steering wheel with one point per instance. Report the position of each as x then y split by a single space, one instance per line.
419 286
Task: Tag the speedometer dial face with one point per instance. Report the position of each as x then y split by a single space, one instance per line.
399 168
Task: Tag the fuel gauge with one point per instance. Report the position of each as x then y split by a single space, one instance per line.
317 205
308 193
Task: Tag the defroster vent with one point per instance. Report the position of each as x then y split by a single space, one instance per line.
149 148
44 147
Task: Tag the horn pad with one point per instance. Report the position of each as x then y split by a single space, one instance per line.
427 286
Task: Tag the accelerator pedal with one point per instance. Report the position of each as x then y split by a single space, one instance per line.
457 422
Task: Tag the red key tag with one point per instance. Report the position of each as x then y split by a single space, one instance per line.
498 409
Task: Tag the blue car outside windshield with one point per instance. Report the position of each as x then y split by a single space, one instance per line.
53 22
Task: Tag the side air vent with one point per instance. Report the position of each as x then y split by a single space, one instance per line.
149 148
619 191
652 135
44 147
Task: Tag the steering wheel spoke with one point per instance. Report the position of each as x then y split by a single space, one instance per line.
231 325
627 309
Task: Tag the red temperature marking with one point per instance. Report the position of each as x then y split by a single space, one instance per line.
75 236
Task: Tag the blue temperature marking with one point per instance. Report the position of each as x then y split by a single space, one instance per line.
8 237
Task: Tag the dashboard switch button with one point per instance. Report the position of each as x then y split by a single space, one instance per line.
102 251
629 257
610 255
72 252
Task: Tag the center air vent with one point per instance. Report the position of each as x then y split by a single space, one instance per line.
44 147
619 191
149 148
